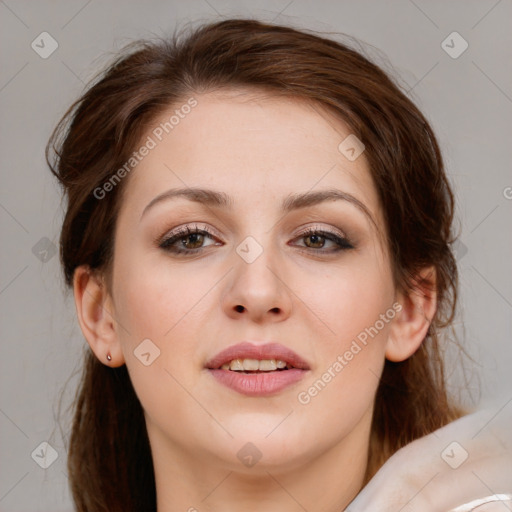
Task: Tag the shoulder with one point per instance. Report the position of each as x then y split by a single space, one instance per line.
449 470
492 503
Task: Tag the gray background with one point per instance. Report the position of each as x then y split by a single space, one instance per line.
468 100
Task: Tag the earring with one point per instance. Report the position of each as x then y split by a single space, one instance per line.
109 357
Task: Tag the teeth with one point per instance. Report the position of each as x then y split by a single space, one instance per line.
237 364
251 365
264 365
267 365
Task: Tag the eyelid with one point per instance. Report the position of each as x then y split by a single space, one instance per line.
342 241
191 226
330 232
185 229
330 229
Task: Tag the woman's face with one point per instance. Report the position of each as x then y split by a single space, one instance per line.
264 265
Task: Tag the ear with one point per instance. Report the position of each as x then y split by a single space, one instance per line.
94 311
410 326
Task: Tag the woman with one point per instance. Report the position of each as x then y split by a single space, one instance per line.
258 239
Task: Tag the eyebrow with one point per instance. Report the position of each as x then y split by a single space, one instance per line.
292 202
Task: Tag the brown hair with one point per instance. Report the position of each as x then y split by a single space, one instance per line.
109 460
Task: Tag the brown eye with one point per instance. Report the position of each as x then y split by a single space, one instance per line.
315 241
195 240
188 240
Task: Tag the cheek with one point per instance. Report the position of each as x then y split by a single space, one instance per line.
347 300
342 388
168 305
355 306
336 401
166 308
155 299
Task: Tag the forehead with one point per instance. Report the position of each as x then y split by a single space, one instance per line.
255 146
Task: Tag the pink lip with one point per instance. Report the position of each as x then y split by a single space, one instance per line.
248 350
258 384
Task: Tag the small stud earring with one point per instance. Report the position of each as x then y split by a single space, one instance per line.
109 357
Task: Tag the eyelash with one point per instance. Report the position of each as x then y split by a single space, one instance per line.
167 242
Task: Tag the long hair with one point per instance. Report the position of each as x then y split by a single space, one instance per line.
109 458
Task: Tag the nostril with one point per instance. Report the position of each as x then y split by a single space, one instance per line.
239 309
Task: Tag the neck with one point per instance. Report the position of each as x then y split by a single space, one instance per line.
327 481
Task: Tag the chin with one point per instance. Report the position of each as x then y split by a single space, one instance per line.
258 448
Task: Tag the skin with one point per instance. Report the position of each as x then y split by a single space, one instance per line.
259 149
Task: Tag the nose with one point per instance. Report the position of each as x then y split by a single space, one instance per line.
258 290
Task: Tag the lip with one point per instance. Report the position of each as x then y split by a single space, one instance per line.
258 384
246 350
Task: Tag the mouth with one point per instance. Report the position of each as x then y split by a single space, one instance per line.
257 370
256 365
